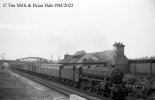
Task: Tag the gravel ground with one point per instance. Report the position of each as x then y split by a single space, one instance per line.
15 87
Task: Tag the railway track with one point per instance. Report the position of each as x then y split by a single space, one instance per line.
64 89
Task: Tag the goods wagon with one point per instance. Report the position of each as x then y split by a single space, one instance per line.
33 68
38 69
26 67
42 70
5 65
16 66
30 67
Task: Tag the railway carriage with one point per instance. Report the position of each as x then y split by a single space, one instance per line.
52 70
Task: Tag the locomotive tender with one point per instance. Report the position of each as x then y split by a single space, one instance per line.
94 77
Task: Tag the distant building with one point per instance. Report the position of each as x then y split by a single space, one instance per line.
73 58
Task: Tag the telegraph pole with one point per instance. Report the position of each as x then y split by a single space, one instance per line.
2 58
52 57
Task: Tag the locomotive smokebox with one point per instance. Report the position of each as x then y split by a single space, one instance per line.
117 76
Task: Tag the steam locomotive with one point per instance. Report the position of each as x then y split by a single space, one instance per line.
92 77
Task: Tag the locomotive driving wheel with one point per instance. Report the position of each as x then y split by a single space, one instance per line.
111 94
101 93
84 85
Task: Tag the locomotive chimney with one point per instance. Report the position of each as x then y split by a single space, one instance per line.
119 48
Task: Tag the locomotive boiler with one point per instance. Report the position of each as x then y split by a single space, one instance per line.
101 72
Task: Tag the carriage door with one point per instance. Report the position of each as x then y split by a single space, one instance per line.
77 73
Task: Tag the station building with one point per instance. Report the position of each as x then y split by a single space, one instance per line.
112 58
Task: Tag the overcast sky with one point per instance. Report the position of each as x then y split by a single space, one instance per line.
91 25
